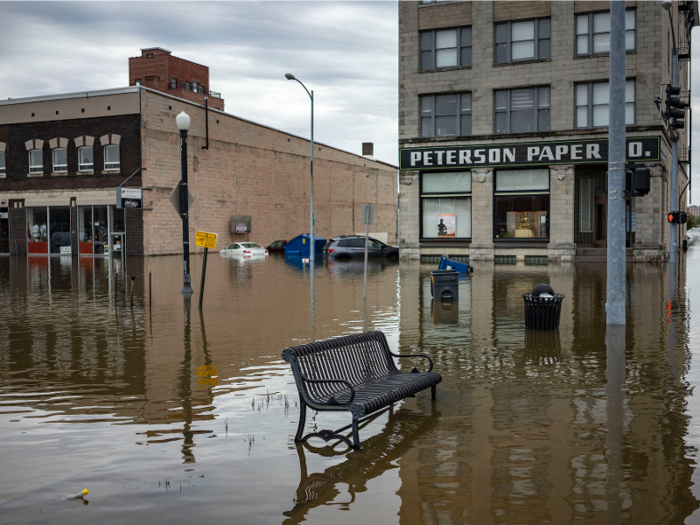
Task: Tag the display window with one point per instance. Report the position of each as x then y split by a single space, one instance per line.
521 204
4 231
446 205
59 230
37 230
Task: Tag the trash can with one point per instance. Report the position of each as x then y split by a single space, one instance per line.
444 285
448 264
542 308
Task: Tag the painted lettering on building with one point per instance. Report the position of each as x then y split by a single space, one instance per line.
640 149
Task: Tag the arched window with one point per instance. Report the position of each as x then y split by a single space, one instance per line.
36 161
111 157
85 158
60 160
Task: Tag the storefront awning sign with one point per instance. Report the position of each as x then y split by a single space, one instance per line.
205 240
525 154
129 198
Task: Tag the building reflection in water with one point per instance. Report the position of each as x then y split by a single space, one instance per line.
531 426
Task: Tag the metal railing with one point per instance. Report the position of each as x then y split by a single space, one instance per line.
189 86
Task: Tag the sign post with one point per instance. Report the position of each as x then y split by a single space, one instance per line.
205 240
367 219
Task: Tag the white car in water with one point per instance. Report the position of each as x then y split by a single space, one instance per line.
244 249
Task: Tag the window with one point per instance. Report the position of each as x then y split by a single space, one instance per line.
36 161
446 48
2 163
521 204
446 205
173 83
529 40
446 115
522 110
188 87
593 32
149 55
593 103
138 82
112 157
85 159
60 160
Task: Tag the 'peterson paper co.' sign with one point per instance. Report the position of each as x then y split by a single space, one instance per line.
642 149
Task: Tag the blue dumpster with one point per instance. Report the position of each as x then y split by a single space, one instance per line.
300 246
448 264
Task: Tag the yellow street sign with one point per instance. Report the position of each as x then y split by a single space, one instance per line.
205 240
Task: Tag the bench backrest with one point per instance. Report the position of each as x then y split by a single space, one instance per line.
357 359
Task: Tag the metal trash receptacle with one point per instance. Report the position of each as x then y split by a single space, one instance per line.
444 285
542 313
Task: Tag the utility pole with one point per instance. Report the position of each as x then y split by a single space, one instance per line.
615 306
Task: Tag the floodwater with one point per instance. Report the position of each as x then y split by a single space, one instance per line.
170 414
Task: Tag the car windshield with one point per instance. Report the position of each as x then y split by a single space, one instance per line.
250 245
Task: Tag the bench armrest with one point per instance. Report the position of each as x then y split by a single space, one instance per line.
415 355
352 389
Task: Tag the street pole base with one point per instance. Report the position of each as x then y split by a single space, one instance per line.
186 285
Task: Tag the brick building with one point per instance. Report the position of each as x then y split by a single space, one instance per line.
158 69
62 158
503 114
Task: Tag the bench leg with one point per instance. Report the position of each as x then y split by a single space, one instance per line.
433 391
302 421
356 434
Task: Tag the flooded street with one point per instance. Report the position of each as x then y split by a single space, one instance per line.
168 414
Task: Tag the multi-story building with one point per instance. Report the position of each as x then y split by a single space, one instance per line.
158 69
503 127
63 157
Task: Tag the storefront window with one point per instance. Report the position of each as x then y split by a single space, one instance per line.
521 204
446 205
100 229
37 230
4 231
59 224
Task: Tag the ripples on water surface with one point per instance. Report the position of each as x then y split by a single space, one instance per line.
169 414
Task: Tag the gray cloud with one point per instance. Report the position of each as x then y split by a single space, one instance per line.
347 52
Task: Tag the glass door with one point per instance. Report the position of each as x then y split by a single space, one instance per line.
4 231
100 224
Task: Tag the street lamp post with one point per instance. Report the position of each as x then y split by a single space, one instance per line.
312 256
183 124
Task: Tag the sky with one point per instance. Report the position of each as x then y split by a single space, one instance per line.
346 52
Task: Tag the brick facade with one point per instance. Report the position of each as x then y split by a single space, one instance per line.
17 216
649 65
156 68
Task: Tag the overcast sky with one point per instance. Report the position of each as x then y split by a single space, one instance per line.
347 52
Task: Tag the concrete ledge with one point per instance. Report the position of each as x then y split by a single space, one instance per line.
481 252
561 251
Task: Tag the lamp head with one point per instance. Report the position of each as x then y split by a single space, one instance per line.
667 4
183 121
289 76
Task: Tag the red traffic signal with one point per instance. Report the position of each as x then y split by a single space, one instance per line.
673 217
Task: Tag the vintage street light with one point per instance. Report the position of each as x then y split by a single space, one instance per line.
183 124
312 255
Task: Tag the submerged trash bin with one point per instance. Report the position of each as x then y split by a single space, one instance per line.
448 264
444 285
542 308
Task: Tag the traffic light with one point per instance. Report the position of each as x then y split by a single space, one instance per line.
677 217
638 180
675 107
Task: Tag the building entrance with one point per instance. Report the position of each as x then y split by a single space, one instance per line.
4 231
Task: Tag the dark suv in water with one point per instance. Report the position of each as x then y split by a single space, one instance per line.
351 246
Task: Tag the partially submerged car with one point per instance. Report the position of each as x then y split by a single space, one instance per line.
244 249
353 246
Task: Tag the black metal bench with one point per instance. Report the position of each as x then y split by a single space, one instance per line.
356 373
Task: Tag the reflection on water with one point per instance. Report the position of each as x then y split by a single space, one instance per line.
167 412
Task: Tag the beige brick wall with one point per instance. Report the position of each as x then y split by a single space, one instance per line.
514 10
597 5
649 65
253 170
454 14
